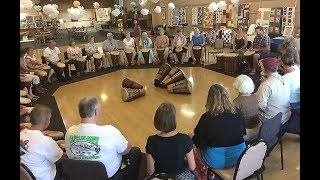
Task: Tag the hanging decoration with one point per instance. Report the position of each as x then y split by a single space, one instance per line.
212 7
115 12
51 10
144 11
96 5
76 13
101 12
38 8
143 3
76 4
171 6
235 2
26 4
155 1
222 4
157 9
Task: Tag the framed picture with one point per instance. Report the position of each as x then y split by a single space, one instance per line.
163 13
288 30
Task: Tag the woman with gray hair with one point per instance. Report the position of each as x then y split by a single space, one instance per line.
248 105
290 42
129 45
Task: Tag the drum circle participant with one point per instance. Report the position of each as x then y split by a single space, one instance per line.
179 43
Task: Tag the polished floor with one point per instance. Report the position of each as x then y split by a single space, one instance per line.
135 119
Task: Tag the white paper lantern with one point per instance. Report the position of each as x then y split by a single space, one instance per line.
171 6
50 9
96 5
115 12
54 15
37 8
26 4
235 1
212 7
154 1
101 12
76 13
157 9
55 6
116 6
143 3
133 5
144 11
222 4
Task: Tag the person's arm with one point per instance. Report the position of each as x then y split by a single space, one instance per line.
167 42
190 160
184 41
175 42
25 69
139 30
200 133
122 146
203 40
51 151
69 54
79 52
263 94
233 42
245 38
266 45
150 164
46 56
127 150
23 111
60 55
149 43
104 46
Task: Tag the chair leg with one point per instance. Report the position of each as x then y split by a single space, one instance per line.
281 151
261 175
258 175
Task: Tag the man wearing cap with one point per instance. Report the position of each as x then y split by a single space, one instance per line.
112 45
261 45
273 93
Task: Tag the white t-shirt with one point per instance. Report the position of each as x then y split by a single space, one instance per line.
294 80
128 43
98 143
53 55
39 153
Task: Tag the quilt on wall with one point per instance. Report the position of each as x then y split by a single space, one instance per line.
208 18
288 17
179 16
170 17
275 20
226 36
194 17
200 15
218 18
227 19
243 15
263 16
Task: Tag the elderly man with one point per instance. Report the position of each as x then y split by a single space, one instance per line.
198 40
261 45
52 55
110 45
37 151
274 92
146 42
107 143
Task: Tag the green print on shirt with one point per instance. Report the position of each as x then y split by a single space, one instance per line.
91 139
85 147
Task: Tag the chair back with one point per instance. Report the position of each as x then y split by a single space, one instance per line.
25 173
218 44
83 170
270 131
251 160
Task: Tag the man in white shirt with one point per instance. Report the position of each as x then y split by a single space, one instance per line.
292 75
89 141
51 54
38 152
274 92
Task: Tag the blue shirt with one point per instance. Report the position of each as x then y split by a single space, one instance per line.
146 43
198 41
109 45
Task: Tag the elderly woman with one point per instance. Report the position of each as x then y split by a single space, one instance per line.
180 42
239 40
73 53
247 103
219 132
146 42
91 48
290 42
129 45
162 42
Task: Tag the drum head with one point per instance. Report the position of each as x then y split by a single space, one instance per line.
196 47
24 100
231 55
55 134
46 67
23 93
115 53
160 49
82 59
221 55
128 50
145 50
26 79
42 73
61 65
97 55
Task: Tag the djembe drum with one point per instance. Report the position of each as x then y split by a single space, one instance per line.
81 64
249 56
61 65
128 83
29 109
182 88
227 50
182 82
97 60
197 53
128 94
178 76
43 75
47 69
55 135
25 101
25 81
160 52
145 54
220 59
115 57
179 54
23 93
230 62
129 51
162 73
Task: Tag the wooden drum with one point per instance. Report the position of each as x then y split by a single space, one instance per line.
179 54
160 52
145 54
162 73
55 135
25 101
61 65
23 93
197 53
174 75
42 75
47 69
97 60
249 55
129 51
129 94
181 87
231 62
26 81
128 83
220 60
81 64
115 57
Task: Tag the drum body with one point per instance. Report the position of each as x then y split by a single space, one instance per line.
160 52
181 88
145 54
26 82
162 73
115 57
231 62
249 56
42 75
81 64
178 76
47 69
97 60
61 65
129 51
128 83
220 60
128 94
197 53
179 54
25 101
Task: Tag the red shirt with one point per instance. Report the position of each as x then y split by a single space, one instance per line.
136 31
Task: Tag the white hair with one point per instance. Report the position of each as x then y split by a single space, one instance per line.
244 84
145 33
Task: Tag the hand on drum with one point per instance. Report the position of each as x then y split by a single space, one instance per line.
251 49
45 132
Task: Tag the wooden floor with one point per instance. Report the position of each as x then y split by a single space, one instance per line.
135 119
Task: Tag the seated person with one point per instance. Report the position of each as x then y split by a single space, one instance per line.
31 58
247 103
167 149
220 148
112 45
37 151
292 75
146 42
92 48
25 71
108 144
74 52
129 44
211 37
290 42
239 40
51 54
162 41
180 42
261 45
198 40
30 95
